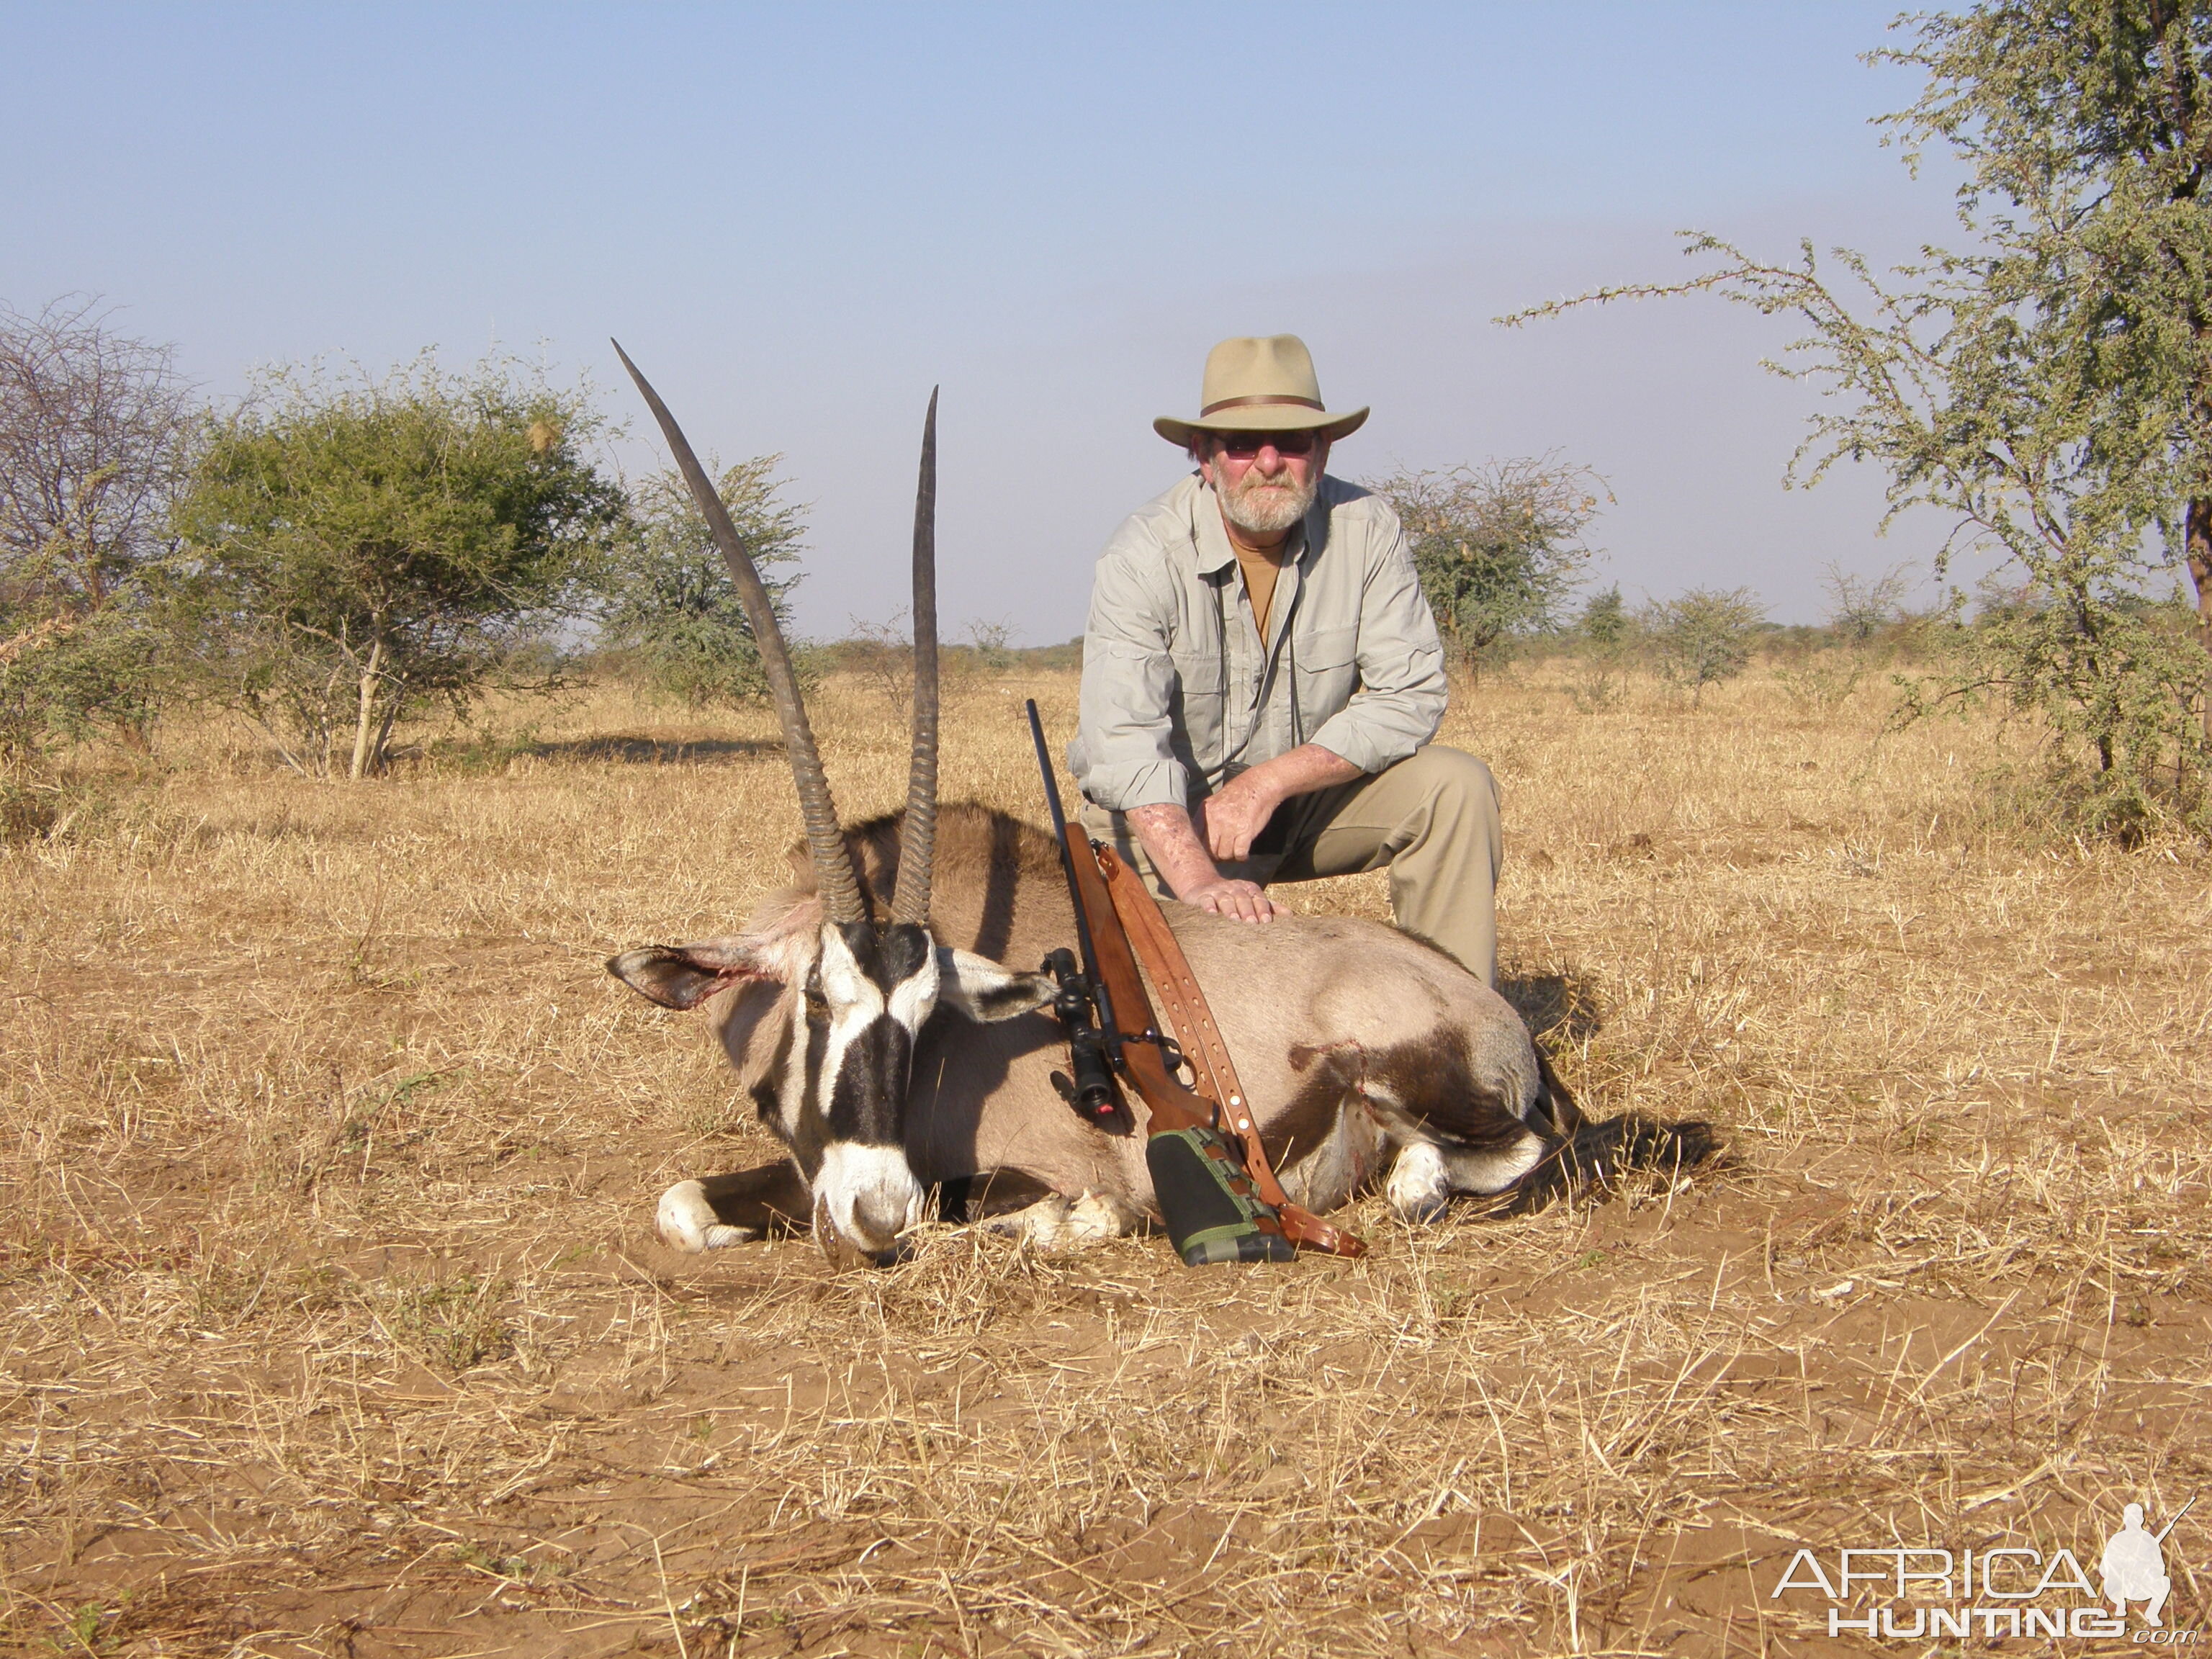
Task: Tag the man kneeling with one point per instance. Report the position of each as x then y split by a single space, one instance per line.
1261 678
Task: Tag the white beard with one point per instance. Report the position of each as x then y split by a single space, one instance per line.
1265 506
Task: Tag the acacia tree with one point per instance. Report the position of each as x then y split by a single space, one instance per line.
1704 637
366 547
94 431
1604 620
1496 547
1861 606
2051 387
669 603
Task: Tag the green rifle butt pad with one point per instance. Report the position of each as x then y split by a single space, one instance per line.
1212 1214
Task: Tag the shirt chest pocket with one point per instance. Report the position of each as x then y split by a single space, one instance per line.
1198 667
1327 670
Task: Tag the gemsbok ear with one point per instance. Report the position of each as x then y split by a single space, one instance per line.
982 991
685 976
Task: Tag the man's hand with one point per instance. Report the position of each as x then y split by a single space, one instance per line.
1246 901
1230 819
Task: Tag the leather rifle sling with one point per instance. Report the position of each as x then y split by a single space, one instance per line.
1201 1039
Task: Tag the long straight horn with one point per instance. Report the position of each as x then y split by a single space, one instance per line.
918 839
833 865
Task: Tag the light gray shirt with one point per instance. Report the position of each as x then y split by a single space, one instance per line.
1180 693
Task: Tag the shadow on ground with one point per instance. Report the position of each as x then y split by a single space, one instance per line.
1560 1008
651 751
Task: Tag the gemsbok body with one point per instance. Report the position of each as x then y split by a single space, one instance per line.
873 1017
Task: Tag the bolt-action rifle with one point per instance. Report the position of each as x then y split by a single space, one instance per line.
1212 1211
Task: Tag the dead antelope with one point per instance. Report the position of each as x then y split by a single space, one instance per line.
868 1016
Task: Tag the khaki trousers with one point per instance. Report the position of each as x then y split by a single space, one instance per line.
1431 820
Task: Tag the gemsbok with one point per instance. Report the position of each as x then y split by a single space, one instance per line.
866 1011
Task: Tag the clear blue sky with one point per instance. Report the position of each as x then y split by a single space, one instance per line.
799 218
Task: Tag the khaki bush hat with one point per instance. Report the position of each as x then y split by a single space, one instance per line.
1260 385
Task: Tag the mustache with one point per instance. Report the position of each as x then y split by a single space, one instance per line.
1265 505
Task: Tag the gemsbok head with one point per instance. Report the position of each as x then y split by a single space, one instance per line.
841 993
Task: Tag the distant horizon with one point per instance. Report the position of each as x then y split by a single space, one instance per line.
800 221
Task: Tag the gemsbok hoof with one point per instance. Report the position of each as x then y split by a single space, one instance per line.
1421 1186
687 1222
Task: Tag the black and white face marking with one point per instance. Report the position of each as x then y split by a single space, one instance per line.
876 991
832 1071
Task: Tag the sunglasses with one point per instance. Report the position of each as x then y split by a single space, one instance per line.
1243 446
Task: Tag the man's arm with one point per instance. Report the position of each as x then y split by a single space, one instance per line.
1184 852
1171 841
1402 690
1123 755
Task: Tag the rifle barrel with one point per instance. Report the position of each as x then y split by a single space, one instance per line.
2176 1522
1044 765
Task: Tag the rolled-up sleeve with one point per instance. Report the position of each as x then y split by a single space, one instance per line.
1123 755
1402 690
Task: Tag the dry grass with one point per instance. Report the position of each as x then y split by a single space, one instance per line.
330 1321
